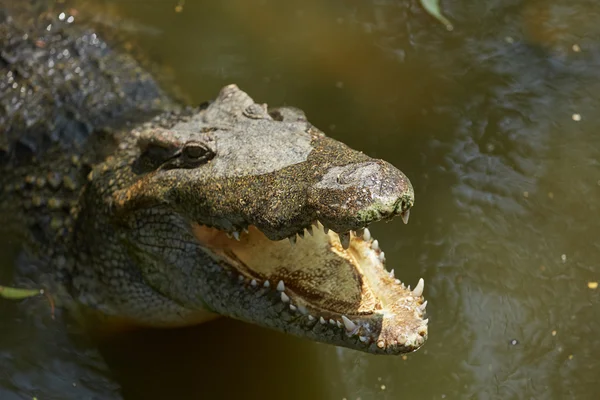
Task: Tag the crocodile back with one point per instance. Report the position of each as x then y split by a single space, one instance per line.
64 96
60 83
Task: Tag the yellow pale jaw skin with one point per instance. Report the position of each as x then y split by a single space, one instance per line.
327 283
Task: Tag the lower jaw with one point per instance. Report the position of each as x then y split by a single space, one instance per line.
262 269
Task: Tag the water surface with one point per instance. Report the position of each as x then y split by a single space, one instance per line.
496 123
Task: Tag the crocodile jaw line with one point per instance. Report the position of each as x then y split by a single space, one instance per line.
327 286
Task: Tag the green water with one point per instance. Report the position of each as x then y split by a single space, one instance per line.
496 123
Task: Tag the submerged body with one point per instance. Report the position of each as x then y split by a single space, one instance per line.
165 216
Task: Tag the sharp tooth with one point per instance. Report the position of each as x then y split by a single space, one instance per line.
339 324
332 321
398 282
375 244
382 256
423 306
292 240
405 215
246 230
284 297
309 230
280 286
240 278
363 339
350 326
301 234
293 307
345 240
326 230
267 284
236 235
311 318
253 282
367 234
419 288
322 320
392 274
425 322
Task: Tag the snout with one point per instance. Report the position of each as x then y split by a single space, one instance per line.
352 196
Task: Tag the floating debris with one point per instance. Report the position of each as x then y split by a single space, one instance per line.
576 48
576 117
18 294
593 285
433 8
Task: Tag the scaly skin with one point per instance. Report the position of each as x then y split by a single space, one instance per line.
168 219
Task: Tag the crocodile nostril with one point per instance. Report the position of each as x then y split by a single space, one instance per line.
346 177
359 174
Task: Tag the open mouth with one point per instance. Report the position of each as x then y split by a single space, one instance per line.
329 282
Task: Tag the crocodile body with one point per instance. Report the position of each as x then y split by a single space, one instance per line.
163 215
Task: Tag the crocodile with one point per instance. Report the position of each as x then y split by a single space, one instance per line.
164 215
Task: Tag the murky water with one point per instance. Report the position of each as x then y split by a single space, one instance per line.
496 123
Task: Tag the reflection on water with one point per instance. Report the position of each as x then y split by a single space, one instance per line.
496 125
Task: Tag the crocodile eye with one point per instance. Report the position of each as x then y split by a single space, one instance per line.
196 153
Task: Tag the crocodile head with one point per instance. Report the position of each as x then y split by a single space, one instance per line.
255 214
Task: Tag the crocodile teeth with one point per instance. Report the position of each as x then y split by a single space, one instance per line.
332 321
293 307
375 244
423 306
419 288
339 324
253 282
280 286
345 240
309 230
284 297
322 320
302 309
246 230
399 282
240 278
382 256
363 339
311 318
292 240
405 215
367 235
425 322
350 326
267 284
236 235
392 273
